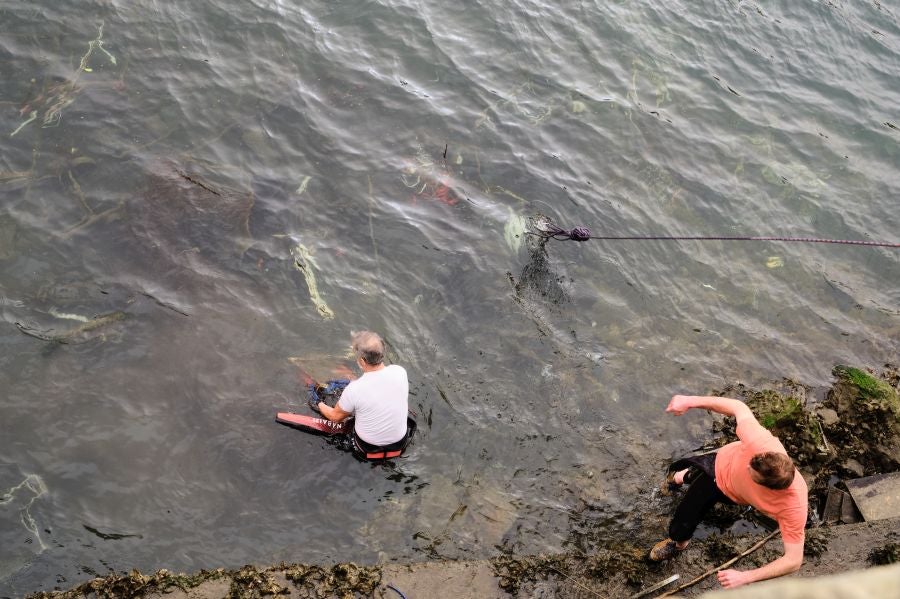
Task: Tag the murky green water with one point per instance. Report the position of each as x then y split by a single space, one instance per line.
171 162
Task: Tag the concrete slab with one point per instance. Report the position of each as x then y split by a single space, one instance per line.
849 512
877 497
882 582
833 505
460 580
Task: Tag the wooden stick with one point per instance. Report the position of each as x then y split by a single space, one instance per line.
768 538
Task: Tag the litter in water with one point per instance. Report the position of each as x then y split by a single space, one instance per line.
303 261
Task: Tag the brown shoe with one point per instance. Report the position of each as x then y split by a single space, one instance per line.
664 550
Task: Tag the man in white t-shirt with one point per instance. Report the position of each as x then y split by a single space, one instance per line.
379 399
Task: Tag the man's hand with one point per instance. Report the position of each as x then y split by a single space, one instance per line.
680 404
730 579
787 563
335 414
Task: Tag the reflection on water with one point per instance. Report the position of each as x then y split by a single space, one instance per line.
202 201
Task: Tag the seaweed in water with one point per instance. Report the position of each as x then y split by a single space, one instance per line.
889 554
538 276
303 261
75 335
60 95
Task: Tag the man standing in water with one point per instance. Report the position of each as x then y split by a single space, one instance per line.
379 399
755 470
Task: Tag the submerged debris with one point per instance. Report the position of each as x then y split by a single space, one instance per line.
303 183
303 261
514 231
34 485
538 280
30 118
58 96
427 179
72 335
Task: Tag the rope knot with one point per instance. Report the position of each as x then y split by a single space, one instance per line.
580 234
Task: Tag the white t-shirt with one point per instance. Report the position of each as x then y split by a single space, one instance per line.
380 401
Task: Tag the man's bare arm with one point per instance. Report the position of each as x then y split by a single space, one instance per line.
723 405
787 563
335 414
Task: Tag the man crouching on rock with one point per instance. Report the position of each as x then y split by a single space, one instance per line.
755 470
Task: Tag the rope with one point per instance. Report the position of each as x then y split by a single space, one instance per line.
396 590
547 230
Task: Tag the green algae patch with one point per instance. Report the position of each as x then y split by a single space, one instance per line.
853 432
869 387
784 412
867 427
780 411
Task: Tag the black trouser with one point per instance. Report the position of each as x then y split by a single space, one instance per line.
701 496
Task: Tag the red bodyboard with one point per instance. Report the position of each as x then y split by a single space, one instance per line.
312 424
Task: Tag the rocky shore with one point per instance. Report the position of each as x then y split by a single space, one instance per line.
850 431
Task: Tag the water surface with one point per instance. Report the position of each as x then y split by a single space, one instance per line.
183 155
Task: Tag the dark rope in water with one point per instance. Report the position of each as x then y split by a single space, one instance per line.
396 590
547 230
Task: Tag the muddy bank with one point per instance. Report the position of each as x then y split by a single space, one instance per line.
565 576
850 430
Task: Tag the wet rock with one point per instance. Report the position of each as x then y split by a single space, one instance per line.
889 554
816 543
854 468
855 433
828 416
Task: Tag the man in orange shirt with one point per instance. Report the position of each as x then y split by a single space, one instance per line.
755 470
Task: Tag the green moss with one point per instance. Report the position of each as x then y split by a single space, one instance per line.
778 411
870 387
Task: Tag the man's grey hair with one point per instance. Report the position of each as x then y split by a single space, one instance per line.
369 346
